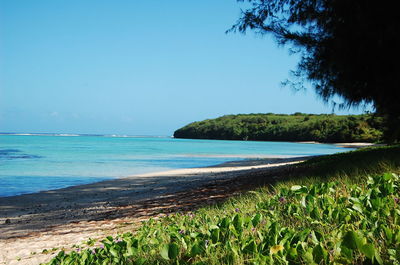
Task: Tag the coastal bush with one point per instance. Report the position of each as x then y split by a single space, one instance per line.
282 127
343 220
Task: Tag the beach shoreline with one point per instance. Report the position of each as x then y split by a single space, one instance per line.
65 217
355 145
56 218
136 187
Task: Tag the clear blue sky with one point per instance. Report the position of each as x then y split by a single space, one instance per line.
136 67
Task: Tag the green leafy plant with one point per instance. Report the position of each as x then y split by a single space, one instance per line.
321 223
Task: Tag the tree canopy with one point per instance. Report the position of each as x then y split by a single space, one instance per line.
347 48
283 127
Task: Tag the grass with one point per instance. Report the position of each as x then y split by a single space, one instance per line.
350 167
337 209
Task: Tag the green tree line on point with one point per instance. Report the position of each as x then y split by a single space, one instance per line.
283 127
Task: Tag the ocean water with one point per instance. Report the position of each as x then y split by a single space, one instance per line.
33 163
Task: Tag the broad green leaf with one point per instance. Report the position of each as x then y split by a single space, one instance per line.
302 235
131 251
346 252
135 243
251 247
183 242
256 219
308 257
397 237
215 235
140 261
84 256
114 252
238 222
164 252
388 233
225 222
314 238
315 213
260 236
296 187
153 241
320 254
173 251
313 190
194 235
358 208
387 176
196 250
352 240
292 252
368 250
303 201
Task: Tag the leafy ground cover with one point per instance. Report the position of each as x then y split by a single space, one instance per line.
349 217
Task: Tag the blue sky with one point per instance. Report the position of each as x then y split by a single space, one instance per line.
136 67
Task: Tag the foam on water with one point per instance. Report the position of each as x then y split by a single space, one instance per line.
32 163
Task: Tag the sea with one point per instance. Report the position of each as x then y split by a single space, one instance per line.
32 163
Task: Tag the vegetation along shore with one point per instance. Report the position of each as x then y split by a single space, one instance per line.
282 127
335 209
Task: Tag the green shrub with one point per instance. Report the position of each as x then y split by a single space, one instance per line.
325 223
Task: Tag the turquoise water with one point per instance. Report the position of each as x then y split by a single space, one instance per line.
32 163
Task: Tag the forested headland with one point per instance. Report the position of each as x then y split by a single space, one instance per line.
283 127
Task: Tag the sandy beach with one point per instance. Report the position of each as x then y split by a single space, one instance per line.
356 145
344 145
35 226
